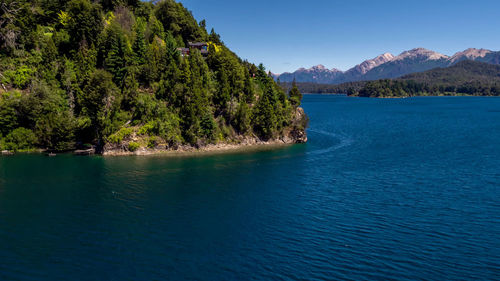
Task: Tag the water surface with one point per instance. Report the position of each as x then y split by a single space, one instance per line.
404 189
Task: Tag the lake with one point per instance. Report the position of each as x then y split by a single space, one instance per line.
386 189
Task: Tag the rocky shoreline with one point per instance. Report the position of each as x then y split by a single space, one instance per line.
247 143
295 134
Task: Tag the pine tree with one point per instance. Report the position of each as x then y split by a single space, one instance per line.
49 53
264 118
116 62
85 62
249 96
295 95
100 101
139 47
223 95
171 48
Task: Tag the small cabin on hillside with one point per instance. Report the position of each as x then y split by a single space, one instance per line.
202 46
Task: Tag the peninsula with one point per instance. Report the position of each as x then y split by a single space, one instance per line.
127 76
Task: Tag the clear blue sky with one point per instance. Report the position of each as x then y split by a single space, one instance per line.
286 35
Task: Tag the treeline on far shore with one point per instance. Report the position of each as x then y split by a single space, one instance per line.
314 88
464 78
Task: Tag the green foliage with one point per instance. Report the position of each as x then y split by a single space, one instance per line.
264 117
154 29
242 121
208 127
49 53
116 60
155 61
20 139
63 18
139 46
133 146
85 21
100 101
179 21
110 5
295 95
9 103
152 142
84 63
118 137
167 129
83 71
56 131
19 78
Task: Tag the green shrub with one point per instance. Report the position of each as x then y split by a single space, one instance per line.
133 146
8 115
208 127
19 78
56 130
148 129
20 139
153 142
167 128
118 137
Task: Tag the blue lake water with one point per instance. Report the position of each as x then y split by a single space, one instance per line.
386 189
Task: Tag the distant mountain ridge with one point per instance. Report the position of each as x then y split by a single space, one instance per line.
316 74
388 66
466 77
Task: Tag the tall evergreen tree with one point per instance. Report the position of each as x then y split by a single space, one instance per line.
116 61
100 103
264 118
85 21
139 47
295 95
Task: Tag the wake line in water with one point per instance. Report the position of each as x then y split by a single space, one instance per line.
344 141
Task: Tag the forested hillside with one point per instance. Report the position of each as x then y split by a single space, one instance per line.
109 73
463 78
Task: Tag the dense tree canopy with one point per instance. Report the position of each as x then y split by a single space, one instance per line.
105 72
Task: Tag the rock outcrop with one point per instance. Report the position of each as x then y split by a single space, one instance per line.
294 134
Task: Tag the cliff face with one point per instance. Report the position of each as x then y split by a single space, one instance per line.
300 122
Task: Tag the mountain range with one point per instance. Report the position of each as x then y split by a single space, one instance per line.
466 77
388 66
